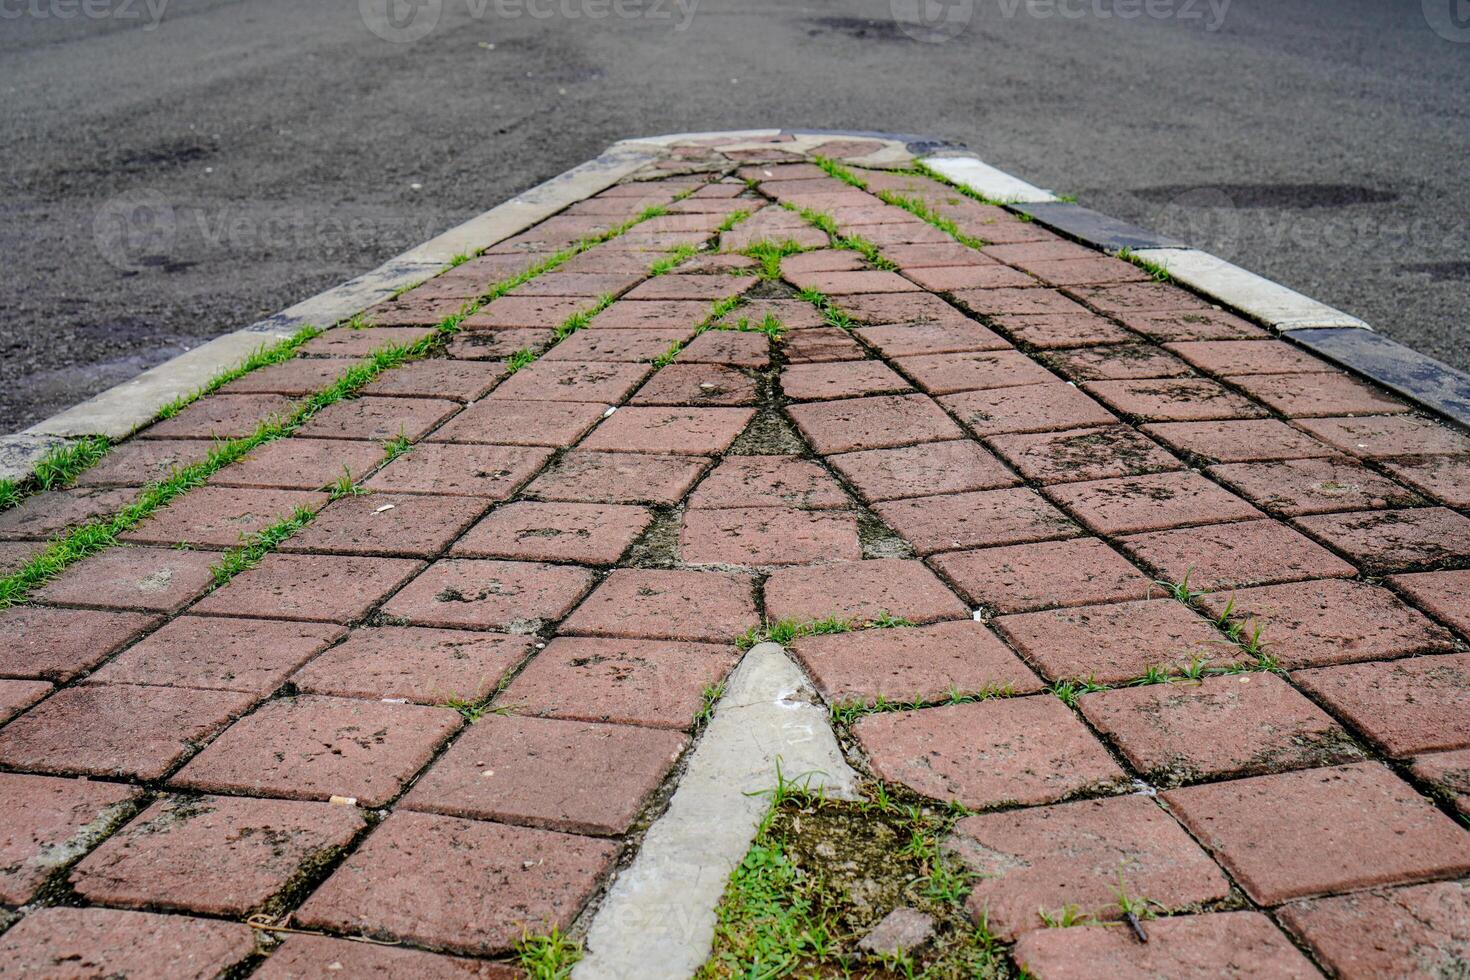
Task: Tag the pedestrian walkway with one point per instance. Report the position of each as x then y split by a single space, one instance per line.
411 645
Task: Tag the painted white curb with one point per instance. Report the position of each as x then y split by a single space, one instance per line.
658 920
984 179
1256 296
20 453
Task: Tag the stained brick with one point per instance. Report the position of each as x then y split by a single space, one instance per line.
768 536
314 748
734 347
821 344
498 344
573 776
944 374
1406 707
153 579
991 302
1030 408
402 525
462 885
861 591
950 279
933 468
697 384
115 943
216 855
1226 556
1300 834
1445 478
17 696
565 380
1096 270
1313 394
311 956
1082 454
437 377
317 588
425 666
1448 776
584 284
346 342
594 534
379 418
526 312
54 513
1139 297
952 335
1237 440
657 683
675 605
491 472
301 464
619 346
619 478
499 595
792 314
59 644
1049 573
840 379
1396 540
221 517
1117 362
520 423
1191 325
635 314
872 423
1150 503
46 821
681 431
221 416
1248 357
847 283
1234 725
1176 400
142 461
769 481
298 376
1419 931
970 520
1445 594
1388 436
1058 330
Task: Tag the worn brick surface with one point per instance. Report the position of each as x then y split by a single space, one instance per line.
16 696
317 588
573 776
1448 776
117 943
1234 725
1055 331
594 284
1396 540
315 956
1165 326
154 579
769 481
820 344
510 422
345 342
221 416
499 344
1097 270
656 683
378 418
116 729
872 423
1177 400
674 605
1313 394
1151 502
1118 642
734 347
397 524
1083 454
768 536
1031 408
217 855
595 534
793 314
1237 440
944 374
221 516
566 380
426 666
1134 297
619 346
526 312
15 555
1388 436
462 885
1314 486
313 748
298 376
1042 860
1300 834
1446 479
947 279
847 283
1233 357
1224 944
861 591
1048 573
484 594
991 302
970 520
928 662
1445 594
140 461
251 655
1312 624
301 464
45 821
48 515
619 478
697 384
492 472
642 314
1117 362
681 431
439 377
840 379
1406 707
950 336
1421 931
59 644
1002 751
924 470
1245 553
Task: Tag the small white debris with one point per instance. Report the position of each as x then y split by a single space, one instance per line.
609 411
978 615
395 700
488 772
384 507
343 801
415 186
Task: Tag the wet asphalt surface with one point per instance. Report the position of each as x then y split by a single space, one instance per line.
173 169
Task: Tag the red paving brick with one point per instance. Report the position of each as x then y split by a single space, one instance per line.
1041 861
1061 330
990 753
1224 944
951 278
221 517
492 472
496 595
116 729
737 348
769 481
1444 594
951 336
437 377
1096 270
1420 931
991 302
1313 624
641 314
1116 362
970 520
1313 486
222 416
1152 502
343 342
1233 357
522 423
619 478
526 312
315 748
840 379
59 644
929 469
1177 400
620 346
1048 573
1406 707
1228 726
697 384
499 344
1237 440
1448 776
1226 556
1164 326
1083 454
45 821
316 588
1388 436
48 515
1119 642
1031 408
153 579
1312 394
672 605
558 283
861 591
396 524
1301 834
768 536
1446 479
565 380
819 345
573 776
848 283
1395 540
298 376
872 423
251 655
216 855
1132 297
116 943
945 374
656 683
461 885
594 534
425 666
142 461
301 464
379 418
922 662
314 956
793 314
680 431
17 696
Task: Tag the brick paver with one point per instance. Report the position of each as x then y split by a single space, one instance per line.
491 472
221 517
769 481
250 655
1150 503
1406 707
395 524
45 821
486 594
698 384
426 666
308 955
302 464
1029 408
1048 573
593 534
1226 556
1083 454
670 605
1396 540
921 471
768 537
872 423
682 431
59 644
318 588
1313 486
1445 594
1420 930
17 696
969 520
861 591
116 943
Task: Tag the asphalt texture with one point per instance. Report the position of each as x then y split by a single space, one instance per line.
173 169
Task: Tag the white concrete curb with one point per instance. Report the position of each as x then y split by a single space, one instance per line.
984 179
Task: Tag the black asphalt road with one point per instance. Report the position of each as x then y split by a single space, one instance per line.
173 169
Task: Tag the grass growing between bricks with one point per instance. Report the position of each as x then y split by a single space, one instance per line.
913 205
55 470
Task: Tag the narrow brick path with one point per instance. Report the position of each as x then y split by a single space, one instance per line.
1163 600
